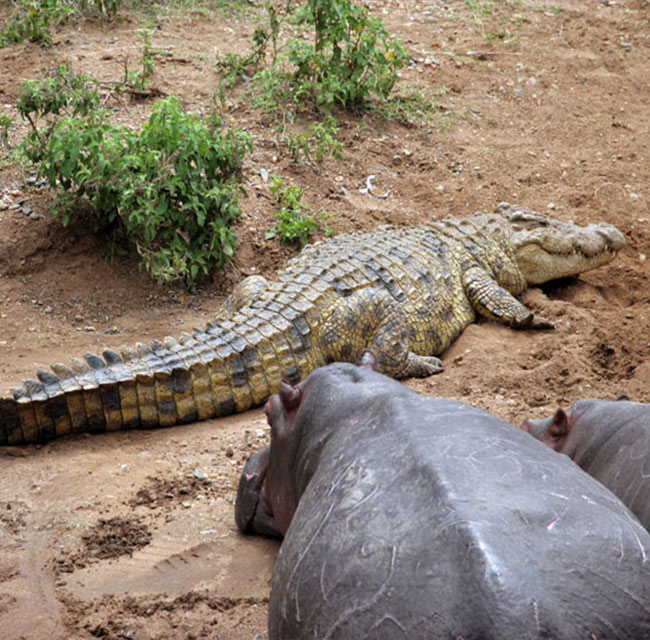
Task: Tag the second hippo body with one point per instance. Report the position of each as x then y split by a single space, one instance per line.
610 440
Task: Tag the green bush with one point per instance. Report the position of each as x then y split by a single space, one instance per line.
349 60
171 189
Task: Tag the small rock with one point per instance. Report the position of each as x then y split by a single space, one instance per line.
184 490
229 452
5 202
89 328
550 205
625 45
397 159
199 475
48 309
634 196
187 505
26 209
78 318
35 216
265 174
113 331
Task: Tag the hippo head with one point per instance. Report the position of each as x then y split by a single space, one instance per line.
565 430
266 495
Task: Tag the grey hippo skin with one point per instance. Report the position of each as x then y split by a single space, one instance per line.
610 440
425 518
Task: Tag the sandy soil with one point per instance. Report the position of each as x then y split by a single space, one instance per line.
131 535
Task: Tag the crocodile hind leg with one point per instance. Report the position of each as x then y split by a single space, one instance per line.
372 319
242 295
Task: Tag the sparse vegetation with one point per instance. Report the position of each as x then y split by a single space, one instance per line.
139 78
315 142
5 124
295 224
479 7
33 19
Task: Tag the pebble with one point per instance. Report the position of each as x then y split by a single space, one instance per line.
48 309
35 216
625 45
199 475
89 328
5 202
229 452
397 159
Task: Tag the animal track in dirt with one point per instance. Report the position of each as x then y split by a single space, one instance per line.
110 538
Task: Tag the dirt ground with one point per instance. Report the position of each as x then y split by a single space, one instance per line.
131 535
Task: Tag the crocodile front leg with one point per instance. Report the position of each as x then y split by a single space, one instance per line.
373 319
496 303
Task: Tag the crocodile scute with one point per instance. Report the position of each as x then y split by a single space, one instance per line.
405 293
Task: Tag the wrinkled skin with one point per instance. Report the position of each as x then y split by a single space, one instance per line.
424 518
610 440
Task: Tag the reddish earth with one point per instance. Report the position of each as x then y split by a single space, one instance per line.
131 535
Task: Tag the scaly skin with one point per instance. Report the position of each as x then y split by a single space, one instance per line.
404 293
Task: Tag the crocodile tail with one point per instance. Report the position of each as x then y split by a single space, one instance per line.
202 375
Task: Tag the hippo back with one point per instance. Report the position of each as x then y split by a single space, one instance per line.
426 518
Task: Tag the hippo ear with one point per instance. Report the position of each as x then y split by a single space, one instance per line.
290 396
559 425
368 360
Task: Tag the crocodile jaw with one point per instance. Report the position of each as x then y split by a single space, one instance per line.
546 248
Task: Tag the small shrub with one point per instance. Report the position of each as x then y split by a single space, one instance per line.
139 79
294 223
316 142
5 124
171 190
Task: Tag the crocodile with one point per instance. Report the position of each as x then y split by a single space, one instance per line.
406 293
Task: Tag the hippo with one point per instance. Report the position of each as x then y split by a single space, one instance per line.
610 440
405 516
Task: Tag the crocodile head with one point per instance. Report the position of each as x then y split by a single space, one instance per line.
546 248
